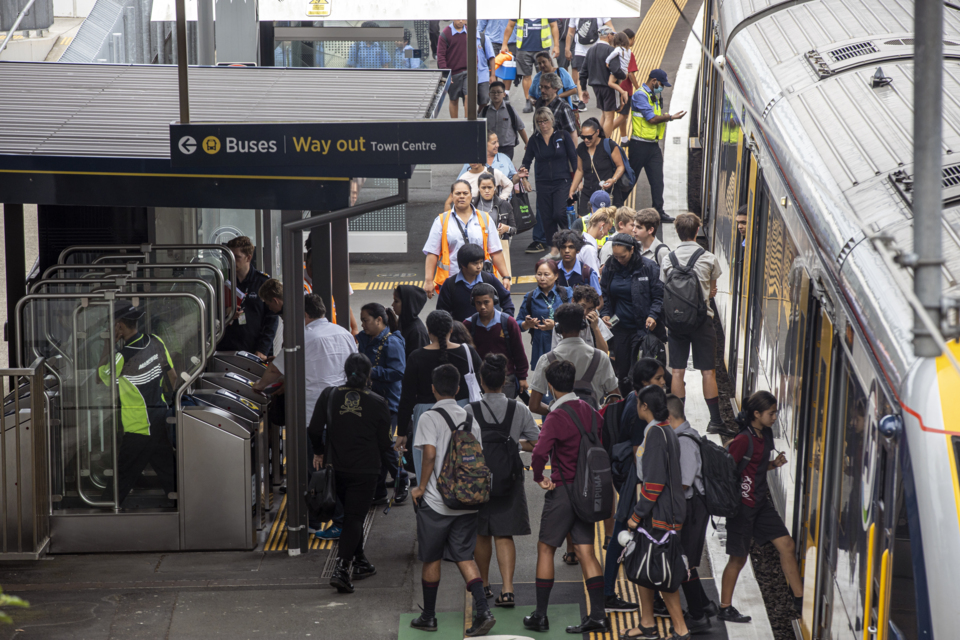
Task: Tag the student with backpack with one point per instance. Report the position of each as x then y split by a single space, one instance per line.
632 300
506 426
453 473
573 271
660 510
694 532
648 232
757 520
595 376
571 440
689 274
536 312
494 332
595 334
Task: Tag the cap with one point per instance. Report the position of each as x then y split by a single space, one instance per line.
604 30
661 76
123 309
599 200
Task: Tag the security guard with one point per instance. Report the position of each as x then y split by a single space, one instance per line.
649 124
255 326
533 36
141 362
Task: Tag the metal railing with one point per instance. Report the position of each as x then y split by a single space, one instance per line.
25 467
23 12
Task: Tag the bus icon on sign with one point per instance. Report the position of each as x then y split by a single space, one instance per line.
318 8
211 144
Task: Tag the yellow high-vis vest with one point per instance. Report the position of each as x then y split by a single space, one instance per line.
643 129
546 35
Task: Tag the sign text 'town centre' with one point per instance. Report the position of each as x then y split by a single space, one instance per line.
327 144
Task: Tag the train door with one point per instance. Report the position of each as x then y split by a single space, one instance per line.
813 465
751 286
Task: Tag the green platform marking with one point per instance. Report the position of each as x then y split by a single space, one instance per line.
449 627
510 621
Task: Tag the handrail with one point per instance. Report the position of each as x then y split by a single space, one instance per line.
16 23
123 271
187 379
149 248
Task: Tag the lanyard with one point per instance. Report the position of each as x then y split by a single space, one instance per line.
463 229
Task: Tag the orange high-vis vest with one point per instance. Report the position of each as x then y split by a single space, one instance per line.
443 264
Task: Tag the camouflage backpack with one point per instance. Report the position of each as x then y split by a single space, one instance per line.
464 479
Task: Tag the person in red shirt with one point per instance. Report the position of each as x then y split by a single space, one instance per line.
560 442
758 519
629 84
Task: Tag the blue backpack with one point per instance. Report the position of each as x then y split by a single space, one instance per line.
629 178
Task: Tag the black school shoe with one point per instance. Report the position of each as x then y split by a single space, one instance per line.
589 625
341 577
362 567
616 604
535 247
730 614
424 623
698 625
536 622
660 608
482 623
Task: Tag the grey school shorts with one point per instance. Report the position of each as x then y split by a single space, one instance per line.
440 537
559 519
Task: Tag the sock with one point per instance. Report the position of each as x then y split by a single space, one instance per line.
475 587
543 595
430 590
713 404
595 594
693 591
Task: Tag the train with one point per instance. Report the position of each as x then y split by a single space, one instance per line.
803 119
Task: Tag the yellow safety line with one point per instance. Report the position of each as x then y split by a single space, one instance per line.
170 175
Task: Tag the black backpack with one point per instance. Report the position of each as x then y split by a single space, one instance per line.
588 31
472 327
584 386
721 477
591 492
500 451
652 347
684 308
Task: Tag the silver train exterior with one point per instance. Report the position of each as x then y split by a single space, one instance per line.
796 130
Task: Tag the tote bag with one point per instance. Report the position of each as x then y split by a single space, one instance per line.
471 378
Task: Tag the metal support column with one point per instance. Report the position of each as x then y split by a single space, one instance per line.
14 257
206 50
182 63
292 241
927 168
340 258
471 106
322 266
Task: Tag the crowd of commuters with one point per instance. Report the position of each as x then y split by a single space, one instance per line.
403 396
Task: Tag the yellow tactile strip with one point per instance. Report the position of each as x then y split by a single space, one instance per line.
390 285
277 538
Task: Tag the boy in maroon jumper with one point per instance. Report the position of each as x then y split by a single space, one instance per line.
560 442
496 332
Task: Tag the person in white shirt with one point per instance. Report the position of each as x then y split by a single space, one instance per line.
325 350
576 52
596 334
598 226
645 232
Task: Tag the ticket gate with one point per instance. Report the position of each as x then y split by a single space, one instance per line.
244 363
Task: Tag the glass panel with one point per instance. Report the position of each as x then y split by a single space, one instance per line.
100 422
371 53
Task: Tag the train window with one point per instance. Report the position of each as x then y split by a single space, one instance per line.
903 607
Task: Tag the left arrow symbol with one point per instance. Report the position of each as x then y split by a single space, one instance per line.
187 145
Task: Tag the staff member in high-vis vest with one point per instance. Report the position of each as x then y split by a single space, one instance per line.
648 126
142 362
533 36
451 230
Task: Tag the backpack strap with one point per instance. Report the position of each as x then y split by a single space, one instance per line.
478 414
551 357
696 256
592 369
473 325
446 417
656 252
749 455
673 260
576 421
511 411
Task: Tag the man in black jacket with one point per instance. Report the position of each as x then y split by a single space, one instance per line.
598 72
255 326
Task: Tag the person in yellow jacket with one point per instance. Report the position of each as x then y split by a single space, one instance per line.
648 124
533 36
454 228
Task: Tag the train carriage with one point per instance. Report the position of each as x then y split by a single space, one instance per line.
810 127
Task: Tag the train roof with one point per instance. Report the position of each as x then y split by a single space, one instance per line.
844 146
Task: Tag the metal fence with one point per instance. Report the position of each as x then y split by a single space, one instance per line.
24 466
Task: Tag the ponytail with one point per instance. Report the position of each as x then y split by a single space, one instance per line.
386 314
392 320
756 403
357 370
439 324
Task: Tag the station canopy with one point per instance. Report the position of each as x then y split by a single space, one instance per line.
99 134
360 10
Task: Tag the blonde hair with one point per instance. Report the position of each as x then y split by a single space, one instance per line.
604 215
623 216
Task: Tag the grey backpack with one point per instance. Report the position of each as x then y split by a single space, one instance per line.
684 308
584 386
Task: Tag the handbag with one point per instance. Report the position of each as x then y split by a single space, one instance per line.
471 378
321 494
526 219
657 564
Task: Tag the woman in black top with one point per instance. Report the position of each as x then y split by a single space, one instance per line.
354 423
416 395
556 157
597 166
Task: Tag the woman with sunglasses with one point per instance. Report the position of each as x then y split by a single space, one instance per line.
599 166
